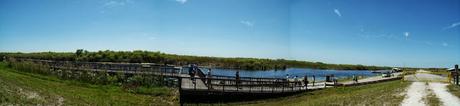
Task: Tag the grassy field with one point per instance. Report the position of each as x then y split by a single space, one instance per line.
18 88
431 98
386 93
454 89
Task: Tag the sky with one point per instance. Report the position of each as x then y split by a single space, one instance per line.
409 33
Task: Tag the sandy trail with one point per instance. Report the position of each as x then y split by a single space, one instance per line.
445 97
419 90
415 94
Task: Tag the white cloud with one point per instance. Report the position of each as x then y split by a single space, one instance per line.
182 1
114 3
147 35
247 23
453 25
152 38
110 4
406 34
445 44
336 11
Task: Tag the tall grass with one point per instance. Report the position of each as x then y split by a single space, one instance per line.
16 88
386 93
131 82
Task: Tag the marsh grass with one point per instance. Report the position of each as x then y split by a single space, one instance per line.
50 90
454 89
385 93
431 99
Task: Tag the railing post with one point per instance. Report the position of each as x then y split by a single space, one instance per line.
237 85
456 76
272 86
181 100
250 86
261 85
284 85
194 84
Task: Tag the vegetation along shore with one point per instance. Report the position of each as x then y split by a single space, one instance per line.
139 56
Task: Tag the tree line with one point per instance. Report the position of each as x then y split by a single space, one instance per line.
139 56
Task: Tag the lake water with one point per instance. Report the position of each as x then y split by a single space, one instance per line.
300 72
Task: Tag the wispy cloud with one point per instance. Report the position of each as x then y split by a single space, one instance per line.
115 3
445 44
404 38
247 23
107 5
453 25
336 11
182 1
152 38
406 34
146 35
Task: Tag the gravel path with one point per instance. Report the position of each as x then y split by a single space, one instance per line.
415 94
418 90
446 98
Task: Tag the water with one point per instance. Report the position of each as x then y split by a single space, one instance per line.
300 72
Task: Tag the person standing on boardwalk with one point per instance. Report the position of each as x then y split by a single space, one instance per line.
190 70
314 80
355 79
192 73
295 81
287 79
237 77
208 77
305 82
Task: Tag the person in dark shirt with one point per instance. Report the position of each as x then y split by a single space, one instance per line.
237 77
209 76
305 81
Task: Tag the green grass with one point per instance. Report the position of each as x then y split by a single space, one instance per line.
385 93
431 98
454 89
19 88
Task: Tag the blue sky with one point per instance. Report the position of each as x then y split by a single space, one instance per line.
415 33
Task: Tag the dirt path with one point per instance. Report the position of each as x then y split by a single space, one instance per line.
415 94
419 90
446 98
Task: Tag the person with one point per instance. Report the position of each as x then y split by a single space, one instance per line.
287 77
192 73
190 70
355 79
287 80
237 77
209 76
295 81
305 81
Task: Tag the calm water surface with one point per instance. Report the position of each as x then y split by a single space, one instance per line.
300 72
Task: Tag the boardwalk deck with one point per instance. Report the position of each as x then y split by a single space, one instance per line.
209 88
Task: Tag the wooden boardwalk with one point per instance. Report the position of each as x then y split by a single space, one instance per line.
209 88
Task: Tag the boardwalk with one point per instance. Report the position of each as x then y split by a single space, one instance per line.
209 88
374 79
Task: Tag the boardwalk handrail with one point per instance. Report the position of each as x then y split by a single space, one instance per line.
216 82
202 77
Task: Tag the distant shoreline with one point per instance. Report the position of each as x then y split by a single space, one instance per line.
139 56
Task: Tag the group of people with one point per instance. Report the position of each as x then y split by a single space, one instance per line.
193 70
298 82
